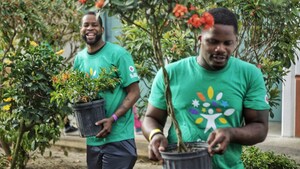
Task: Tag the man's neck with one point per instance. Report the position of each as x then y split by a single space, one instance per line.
201 63
97 46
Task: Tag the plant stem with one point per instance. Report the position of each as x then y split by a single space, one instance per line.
18 145
170 109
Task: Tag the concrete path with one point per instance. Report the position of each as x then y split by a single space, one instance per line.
274 142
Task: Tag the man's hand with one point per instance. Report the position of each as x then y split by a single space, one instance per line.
158 143
218 141
107 125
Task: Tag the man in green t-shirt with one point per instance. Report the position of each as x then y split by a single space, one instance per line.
114 146
216 97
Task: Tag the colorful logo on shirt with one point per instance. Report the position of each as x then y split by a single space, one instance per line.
211 108
92 73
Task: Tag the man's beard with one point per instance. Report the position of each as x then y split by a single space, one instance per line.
97 39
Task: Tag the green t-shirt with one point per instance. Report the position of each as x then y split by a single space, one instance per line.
111 55
206 100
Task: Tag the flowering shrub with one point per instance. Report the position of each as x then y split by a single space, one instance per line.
180 10
206 20
74 86
28 120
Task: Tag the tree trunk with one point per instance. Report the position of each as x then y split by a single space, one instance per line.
170 109
17 148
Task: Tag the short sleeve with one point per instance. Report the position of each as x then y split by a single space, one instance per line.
256 96
127 70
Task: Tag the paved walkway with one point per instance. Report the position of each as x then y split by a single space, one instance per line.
274 142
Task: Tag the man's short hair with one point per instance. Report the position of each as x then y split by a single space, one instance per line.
94 13
224 16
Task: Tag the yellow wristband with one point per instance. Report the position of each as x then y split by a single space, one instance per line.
153 132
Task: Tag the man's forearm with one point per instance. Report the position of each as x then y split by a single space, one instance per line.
249 134
132 96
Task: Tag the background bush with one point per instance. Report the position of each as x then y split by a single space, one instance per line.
254 158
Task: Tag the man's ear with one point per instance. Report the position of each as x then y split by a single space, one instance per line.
237 40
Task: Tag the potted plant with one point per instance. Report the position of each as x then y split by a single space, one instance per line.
81 91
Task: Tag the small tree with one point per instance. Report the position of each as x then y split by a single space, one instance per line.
28 120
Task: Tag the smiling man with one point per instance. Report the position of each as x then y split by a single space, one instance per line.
114 146
217 98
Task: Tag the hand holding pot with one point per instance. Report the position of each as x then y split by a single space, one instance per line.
158 143
106 129
218 141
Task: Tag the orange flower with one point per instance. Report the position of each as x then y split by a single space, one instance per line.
209 20
180 10
196 21
82 1
100 3
206 20
54 79
192 8
65 76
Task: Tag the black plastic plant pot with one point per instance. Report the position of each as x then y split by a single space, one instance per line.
197 157
87 114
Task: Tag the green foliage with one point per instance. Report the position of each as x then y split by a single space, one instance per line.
271 70
56 22
4 162
254 158
73 86
29 121
29 80
269 31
